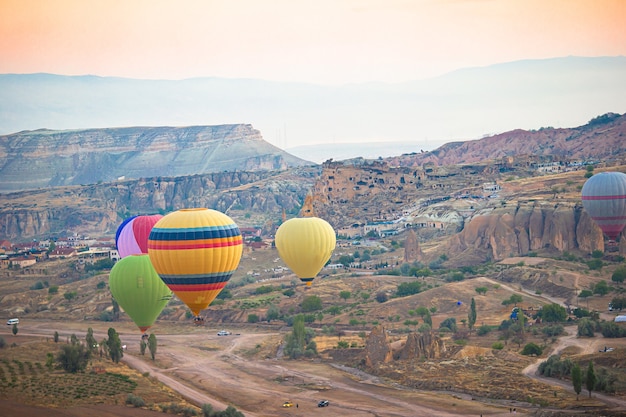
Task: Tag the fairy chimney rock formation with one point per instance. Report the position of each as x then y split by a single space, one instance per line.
412 250
422 345
377 348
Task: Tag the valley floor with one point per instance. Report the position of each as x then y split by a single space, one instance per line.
206 368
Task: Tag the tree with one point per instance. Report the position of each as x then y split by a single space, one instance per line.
114 345
601 288
344 295
482 290
577 379
553 313
15 330
152 345
73 357
618 303
428 319
295 342
597 254
273 313
532 349
116 309
595 264
409 288
142 347
334 310
449 323
345 260
619 275
513 299
586 328
311 303
590 379
471 316
92 344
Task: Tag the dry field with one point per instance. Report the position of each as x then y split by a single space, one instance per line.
247 370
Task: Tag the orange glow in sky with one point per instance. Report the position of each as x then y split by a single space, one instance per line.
321 41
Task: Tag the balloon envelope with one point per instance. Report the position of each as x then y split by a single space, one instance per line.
132 235
305 245
604 199
195 252
139 290
121 227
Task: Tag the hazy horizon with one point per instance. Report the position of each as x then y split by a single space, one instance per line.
327 42
348 71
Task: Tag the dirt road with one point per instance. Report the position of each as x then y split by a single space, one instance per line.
586 346
206 368
259 387
211 369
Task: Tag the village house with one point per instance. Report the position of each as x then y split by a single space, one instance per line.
18 261
5 245
62 252
93 255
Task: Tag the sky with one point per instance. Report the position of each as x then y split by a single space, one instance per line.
328 42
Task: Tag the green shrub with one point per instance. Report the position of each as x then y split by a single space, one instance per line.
135 401
554 330
554 367
483 330
532 349
498 346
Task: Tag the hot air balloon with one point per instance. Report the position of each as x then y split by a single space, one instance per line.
121 227
195 252
305 245
138 289
132 235
604 199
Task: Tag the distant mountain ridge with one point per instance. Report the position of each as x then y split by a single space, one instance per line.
51 158
603 138
462 105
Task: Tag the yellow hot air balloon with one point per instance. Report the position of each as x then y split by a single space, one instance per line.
195 252
305 245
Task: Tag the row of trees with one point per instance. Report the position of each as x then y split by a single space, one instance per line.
554 367
74 356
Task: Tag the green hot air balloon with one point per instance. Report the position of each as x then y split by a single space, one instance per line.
138 289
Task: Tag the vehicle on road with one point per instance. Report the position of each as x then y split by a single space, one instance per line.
13 321
287 404
323 403
223 333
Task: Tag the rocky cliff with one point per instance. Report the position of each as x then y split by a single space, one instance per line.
251 198
50 158
600 139
517 230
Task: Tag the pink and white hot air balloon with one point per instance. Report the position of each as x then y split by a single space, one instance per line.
132 235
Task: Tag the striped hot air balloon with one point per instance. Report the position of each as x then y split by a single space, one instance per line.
604 199
195 252
305 245
131 237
